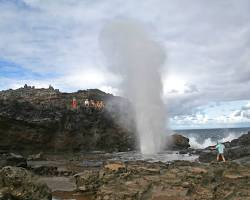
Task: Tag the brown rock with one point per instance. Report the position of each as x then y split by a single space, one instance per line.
87 181
115 167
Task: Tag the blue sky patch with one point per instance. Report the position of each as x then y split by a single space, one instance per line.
13 70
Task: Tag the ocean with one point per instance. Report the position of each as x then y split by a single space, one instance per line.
202 138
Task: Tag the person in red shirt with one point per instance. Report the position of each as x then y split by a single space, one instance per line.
74 103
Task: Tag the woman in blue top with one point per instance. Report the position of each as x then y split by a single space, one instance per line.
220 149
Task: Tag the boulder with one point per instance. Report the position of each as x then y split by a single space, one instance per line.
178 142
19 184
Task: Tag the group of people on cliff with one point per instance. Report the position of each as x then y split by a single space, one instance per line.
98 105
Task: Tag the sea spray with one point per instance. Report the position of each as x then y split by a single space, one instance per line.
202 140
137 59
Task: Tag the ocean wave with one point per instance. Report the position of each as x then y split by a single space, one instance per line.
200 144
193 141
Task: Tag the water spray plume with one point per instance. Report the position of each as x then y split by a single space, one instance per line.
134 56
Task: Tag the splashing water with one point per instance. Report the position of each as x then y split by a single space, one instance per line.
194 143
137 59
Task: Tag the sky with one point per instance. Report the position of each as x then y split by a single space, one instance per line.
206 75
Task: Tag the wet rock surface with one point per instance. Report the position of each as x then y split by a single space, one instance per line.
19 184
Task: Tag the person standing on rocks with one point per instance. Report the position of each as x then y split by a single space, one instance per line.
74 103
86 103
220 151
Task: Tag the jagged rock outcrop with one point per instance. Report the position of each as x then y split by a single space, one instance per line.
243 140
19 184
43 120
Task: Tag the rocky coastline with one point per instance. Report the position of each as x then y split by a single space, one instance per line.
50 149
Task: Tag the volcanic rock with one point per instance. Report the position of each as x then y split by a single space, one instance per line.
19 184
87 181
180 180
179 142
243 140
11 159
37 120
45 170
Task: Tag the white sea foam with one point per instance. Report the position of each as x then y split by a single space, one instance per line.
230 137
200 145
196 144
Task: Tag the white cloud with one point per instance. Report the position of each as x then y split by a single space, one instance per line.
206 119
243 113
207 45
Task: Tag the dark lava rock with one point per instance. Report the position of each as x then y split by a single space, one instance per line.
207 156
243 140
178 142
45 170
11 159
19 184
37 120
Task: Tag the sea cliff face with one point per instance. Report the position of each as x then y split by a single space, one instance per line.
44 119
48 120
